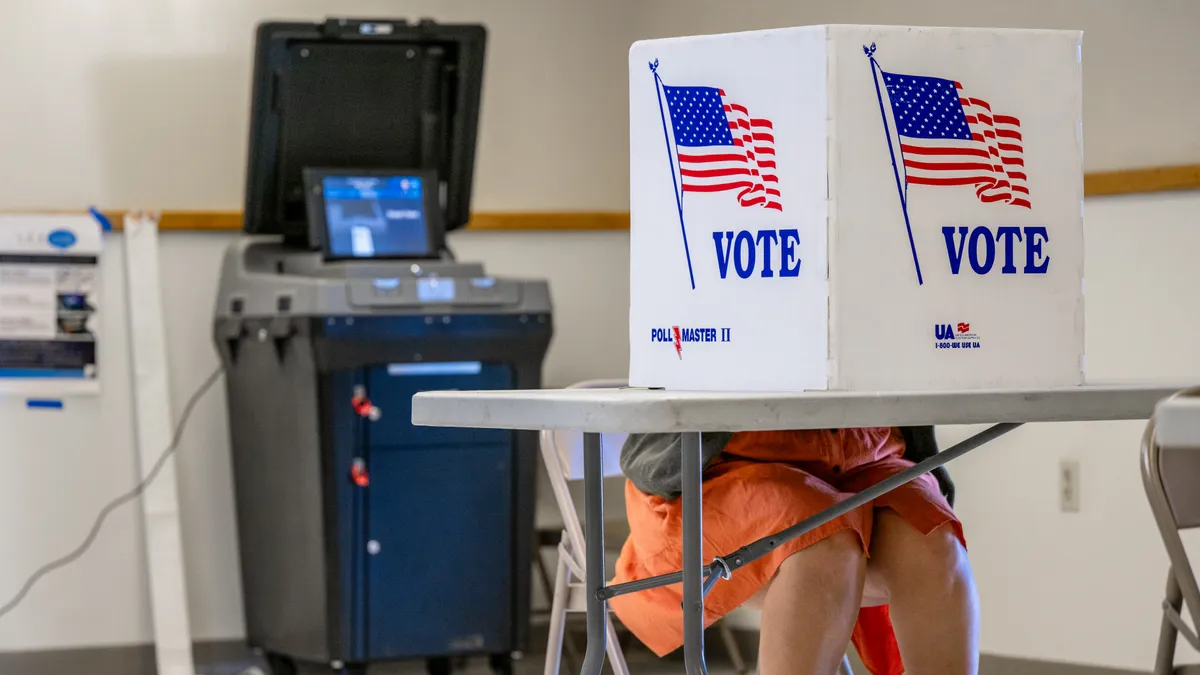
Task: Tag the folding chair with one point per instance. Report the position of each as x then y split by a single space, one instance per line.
569 594
562 453
1170 460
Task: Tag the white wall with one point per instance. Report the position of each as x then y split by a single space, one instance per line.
54 478
1139 62
1086 587
146 102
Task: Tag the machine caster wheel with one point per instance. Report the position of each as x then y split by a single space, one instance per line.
438 666
502 664
281 665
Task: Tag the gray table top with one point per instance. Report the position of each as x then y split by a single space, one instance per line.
646 410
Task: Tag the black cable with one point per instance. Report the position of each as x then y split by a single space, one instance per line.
118 502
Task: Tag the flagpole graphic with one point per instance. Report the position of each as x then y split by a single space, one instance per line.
721 149
870 52
950 139
670 158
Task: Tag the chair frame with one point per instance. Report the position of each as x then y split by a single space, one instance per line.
1182 588
568 595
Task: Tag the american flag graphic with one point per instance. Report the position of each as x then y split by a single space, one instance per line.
721 147
949 138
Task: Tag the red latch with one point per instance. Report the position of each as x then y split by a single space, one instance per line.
358 473
362 405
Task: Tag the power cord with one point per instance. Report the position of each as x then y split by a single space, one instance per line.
119 501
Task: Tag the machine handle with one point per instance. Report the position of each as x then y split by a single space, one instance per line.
359 474
233 329
281 327
362 405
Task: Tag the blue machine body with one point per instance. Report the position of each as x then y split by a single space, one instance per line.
439 509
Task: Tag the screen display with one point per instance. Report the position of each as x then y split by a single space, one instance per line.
375 216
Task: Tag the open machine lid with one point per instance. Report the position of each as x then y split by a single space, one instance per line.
355 93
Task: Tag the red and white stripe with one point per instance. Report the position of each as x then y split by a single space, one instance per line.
992 160
748 166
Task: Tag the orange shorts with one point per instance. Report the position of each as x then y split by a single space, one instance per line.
762 483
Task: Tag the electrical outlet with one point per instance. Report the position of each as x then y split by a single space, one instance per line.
1068 486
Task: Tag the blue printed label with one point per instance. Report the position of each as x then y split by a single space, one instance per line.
61 239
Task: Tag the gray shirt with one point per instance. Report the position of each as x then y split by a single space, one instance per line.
653 463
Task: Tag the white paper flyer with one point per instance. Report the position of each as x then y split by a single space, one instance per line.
49 275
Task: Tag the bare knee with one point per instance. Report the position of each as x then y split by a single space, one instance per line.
837 561
900 552
933 604
840 552
810 609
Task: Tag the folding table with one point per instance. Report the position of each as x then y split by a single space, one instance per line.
595 411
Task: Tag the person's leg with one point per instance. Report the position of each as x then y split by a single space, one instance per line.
933 604
810 606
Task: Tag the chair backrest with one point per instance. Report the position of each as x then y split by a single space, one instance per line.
1171 477
562 452
1177 446
569 444
1180 474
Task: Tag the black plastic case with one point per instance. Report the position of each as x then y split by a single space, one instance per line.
339 94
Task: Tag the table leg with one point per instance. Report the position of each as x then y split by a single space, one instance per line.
593 533
693 555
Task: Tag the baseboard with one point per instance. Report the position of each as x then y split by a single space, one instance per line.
989 664
218 657
230 657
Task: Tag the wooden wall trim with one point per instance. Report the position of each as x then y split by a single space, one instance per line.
1135 181
486 220
534 220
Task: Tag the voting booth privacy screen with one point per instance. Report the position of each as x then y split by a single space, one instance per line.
857 208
